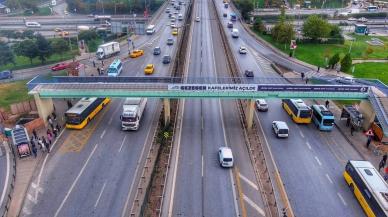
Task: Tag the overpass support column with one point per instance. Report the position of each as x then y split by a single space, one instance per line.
45 107
251 111
166 105
368 113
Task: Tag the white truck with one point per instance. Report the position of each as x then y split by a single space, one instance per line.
235 33
83 28
107 50
133 109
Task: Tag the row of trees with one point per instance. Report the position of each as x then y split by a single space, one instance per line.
37 47
26 34
113 6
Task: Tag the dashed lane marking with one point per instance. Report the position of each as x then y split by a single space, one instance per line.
308 145
328 178
342 199
99 196
318 161
253 185
103 134
253 205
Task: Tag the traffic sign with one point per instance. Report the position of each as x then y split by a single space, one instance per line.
165 134
369 133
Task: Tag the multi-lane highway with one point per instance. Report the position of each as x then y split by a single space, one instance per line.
95 171
311 163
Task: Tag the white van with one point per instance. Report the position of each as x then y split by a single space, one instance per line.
225 157
235 33
150 29
280 128
33 24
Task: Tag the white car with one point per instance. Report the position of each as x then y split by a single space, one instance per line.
352 19
261 105
345 80
173 25
225 157
197 19
243 50
362 19
280 128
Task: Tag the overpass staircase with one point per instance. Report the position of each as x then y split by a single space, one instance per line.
380 105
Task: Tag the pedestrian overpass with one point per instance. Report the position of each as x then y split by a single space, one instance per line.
46 88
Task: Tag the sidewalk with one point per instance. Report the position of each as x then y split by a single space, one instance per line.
26 166
358 140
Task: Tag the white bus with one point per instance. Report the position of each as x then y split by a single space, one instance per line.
150 29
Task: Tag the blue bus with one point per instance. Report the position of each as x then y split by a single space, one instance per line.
115 68
372 8
233 17
323 118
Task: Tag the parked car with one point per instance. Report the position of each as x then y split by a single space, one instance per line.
249 73
166 59
261 105
6 74
60 66
157 50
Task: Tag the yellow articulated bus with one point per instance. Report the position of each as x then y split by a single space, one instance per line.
78 116
298 110
368 186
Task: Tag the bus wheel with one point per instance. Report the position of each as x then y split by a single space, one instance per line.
351 186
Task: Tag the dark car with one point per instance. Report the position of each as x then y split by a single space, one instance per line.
157 50
166 59
170 41
225 15
230 25
6 74
249 73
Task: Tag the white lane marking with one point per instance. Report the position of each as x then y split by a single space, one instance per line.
301 134
202 166
119 106
253 205
110 121
253 185
99 196
230 171
122 143
103 133
342 199
75 181
328 178
308 145
176 162
136 170
319 162
6 176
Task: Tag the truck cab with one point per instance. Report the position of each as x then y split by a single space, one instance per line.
133 109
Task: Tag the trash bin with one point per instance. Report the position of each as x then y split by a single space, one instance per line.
8 132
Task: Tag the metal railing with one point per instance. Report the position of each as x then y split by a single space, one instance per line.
4 208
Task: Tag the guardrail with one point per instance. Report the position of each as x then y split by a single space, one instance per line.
4 208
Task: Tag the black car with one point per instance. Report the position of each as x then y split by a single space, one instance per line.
157 50
5 74
166 59
225 15
249 73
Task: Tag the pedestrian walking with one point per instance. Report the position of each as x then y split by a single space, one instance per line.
42 145
55 132
307 80
302 75
102 62
327 103
58 128
94 64
352 130
368 141
318 69
348 121
381 165
102 70
386 173
47 147
69 104
384 158
32 142
35 134
98 70
54 116
34 151
50 138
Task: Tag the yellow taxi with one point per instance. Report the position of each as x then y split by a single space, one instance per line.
136 53
174 31
149 69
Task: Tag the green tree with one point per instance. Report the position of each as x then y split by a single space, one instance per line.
28 34
245 6
7 33
44 48
87 35
346 63
26 48
334 60
315 28
60 46
258 25
6 54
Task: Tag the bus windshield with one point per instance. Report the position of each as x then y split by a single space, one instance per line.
328 122
305 113
72 118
